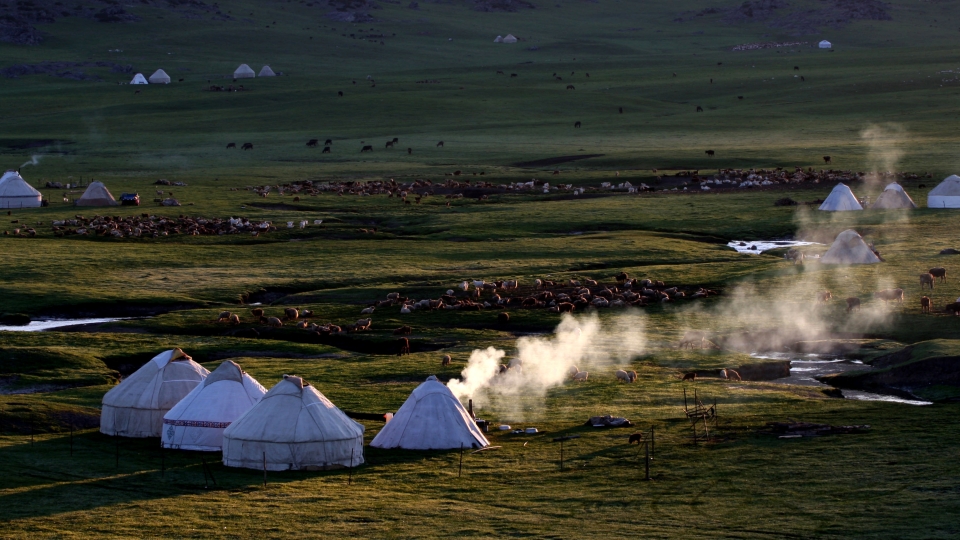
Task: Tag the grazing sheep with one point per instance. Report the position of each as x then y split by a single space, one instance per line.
635 438
565 307
823 297
692 339
446 360
465 286
622 276
692 376
623 376
503 318
853 303
403 330
926 279
953 308
224 316
393 296
888 295
632 375
940 273
274 322
478 284
574 283
581 376
403 346
364 324
589 282
291 314
306 313
257 313
234 319
366 311
405 310
925 304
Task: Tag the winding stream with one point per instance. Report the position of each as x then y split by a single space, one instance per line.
50 324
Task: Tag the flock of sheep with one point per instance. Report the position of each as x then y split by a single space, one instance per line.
148 225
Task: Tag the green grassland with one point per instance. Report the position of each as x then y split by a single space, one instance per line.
896 78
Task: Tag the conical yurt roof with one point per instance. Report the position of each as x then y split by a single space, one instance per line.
135 407
432 418
159 77
96 194
946 194
840 199
293 427
825 44
849 248
265 71
498 39
243 72
15 192
139 79
893 196
509 38
198 420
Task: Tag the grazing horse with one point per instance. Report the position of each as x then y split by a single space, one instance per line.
247 146
313 143
513 74
576 124
826 159
940 273
739 97
395 140
570 87
366 148
710 153
231 145
326 150
699 108
440 144
389 144
340 93
692 376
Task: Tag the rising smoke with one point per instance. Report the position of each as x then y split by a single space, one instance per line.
884 150
34 160
544 362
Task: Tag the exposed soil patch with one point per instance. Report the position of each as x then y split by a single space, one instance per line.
554 161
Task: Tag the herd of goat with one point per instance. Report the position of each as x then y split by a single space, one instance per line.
927 279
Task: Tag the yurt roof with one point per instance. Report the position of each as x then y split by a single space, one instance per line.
849 248
96 194
950 187
432 418
141 389
244 71
160 76
893 197
13 185
139 79
265 71
840 199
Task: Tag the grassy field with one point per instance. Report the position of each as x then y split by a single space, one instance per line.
886 99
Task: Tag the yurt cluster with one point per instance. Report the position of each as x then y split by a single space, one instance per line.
292 426
243 72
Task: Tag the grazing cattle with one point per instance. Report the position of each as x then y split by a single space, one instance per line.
939 273
692 376
621 110
570 87
710 153
402 331
823 297
699 108
446 360
953 308
328 142
503 318
499 72
739 97
513 74
395 140
576 124
926 279
888 295
826 159
796 68
925 304
313 143
440 144
853 303
635 438
231 145
389 144
366 148
403 346
326 150
340 94
247 146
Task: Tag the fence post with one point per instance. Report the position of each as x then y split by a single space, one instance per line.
647 446
264 469
653 444
71 440
460 470
350 474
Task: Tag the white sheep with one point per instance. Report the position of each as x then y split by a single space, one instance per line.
464 285
449 292
405 310
366 311
573 370
477 284
581 376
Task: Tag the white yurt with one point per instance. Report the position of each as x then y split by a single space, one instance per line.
893 197
139 79
293 427
135 407
498 39
15 192
509 38
432 418
825 44
159 77
946 194
840 199
849 248
244 72
198 421
265 71
96 194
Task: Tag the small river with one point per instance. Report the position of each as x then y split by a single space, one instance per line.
757 247
50 324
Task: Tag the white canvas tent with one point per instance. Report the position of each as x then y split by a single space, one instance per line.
946 194
498 39
135 407
139 79
432 418
509 38
198 421
244 72
265 71
15 192
159 77
840 199
849 248
825 44
96 194
293 427
893 196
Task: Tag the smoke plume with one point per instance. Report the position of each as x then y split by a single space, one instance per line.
34 160
884 150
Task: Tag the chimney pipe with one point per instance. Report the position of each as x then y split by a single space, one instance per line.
470 408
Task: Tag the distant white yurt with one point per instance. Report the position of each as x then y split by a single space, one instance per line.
198 421
840 199
135 407
244 72
139 79
893 197
265 71
946 194
293 427
849 248
15 192
159 77
509 38
432 418
825 44
498 39
96 194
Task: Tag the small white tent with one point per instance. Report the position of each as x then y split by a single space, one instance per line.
498 39
946 194
265 71
825 44
510 38
135 407
244 72
139 79
840 199
198 421
15 192
432 418
293 427
96 194
893 196
159 77
849 248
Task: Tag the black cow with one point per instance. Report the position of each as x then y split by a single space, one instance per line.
247 146
231 145
312 143
366 148
576 124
